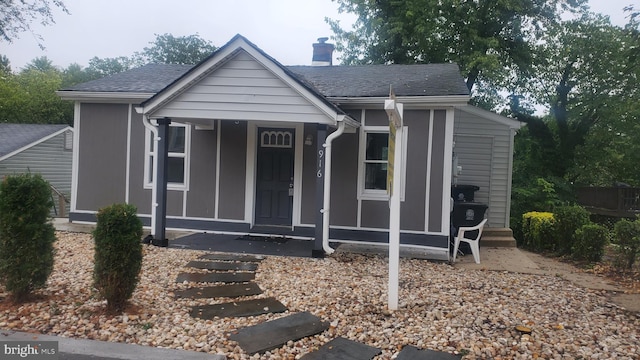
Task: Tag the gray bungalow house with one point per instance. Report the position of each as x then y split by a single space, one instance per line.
40 149
244 145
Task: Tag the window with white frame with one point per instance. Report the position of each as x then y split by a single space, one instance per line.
374 160
178 156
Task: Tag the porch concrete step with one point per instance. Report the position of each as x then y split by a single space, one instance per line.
497 237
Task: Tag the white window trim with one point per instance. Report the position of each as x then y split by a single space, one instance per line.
151 154
371 194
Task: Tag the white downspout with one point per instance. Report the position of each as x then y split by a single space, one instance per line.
327 187
154 183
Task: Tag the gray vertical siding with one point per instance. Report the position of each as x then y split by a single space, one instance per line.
102 155
483 149
138 195
202 181
437 166
49 159
344 180
412 208
233 160
375 214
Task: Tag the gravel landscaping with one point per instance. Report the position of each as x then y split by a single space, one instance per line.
462 311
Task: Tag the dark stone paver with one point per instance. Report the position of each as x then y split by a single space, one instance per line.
275 333
233 257
223 266
231 290
227 277
343 349
239 308
413 353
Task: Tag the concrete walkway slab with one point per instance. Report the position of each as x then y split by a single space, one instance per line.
216 277
275 333
92 349
343 349
223 266
239 308
229 291
233 257
412 353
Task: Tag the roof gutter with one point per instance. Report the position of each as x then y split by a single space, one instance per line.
327 186
111 96
440 101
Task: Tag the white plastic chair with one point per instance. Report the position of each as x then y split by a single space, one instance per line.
473 243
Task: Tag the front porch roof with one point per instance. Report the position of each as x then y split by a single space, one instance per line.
327 87
239 81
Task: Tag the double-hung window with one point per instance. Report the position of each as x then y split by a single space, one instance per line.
374 160
178 157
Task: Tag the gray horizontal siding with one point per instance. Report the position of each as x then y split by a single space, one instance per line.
483 149
50 159
242 89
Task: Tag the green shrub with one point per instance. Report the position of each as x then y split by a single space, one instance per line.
26 235
590 240
118 254
568 220
538 230
627 237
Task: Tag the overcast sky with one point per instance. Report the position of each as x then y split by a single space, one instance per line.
284 29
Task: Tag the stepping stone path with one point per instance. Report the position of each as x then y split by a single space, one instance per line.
237 271
343 349
241 308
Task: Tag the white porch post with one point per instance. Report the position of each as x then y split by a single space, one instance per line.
394 172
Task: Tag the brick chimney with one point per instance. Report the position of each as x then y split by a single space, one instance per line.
322 53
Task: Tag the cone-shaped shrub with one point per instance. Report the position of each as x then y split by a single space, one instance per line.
589 243
118 254
627 236
26 235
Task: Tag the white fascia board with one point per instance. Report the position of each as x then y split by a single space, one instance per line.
111 97
348 120
511 123
220 58
411 102
42 139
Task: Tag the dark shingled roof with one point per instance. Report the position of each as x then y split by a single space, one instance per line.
146 79
329 81
374 80
17 136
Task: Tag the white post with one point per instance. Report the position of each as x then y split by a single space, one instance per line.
394 169
394 224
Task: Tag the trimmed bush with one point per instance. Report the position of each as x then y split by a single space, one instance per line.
568 220
627 237
26 235
538 230
118 254
589 243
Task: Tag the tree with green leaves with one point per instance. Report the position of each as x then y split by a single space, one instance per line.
490 40
585 77
29 97
169 49
16 17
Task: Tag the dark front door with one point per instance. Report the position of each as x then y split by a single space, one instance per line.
274 185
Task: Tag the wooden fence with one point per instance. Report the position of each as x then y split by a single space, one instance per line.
611 201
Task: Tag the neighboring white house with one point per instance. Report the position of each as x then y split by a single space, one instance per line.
39 149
